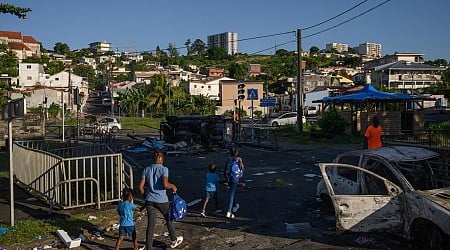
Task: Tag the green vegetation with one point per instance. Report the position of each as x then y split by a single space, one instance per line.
139 123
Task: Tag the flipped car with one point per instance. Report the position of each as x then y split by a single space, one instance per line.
399 190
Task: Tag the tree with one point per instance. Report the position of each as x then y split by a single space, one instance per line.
216 53
173 52
14 10
237 71
187 44
61 48
314 50
198 48
54 67
8 61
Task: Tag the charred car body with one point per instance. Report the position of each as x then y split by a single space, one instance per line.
397 189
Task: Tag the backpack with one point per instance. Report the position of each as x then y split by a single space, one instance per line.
178 208
234 170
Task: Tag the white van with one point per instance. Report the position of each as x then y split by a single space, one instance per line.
311 110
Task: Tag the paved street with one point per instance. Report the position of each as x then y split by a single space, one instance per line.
278 205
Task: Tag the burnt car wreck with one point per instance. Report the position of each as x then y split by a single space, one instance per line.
398 190
208 131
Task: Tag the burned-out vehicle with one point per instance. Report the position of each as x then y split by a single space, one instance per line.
206 130
399 190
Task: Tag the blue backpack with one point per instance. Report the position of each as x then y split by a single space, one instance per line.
234 170
178 208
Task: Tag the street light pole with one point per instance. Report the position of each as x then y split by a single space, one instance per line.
299 86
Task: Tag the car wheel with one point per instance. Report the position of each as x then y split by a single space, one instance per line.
274 124
427 236
114 129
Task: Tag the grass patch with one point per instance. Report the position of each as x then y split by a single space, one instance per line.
137 123
26 231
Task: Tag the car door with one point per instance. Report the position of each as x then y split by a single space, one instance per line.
377 206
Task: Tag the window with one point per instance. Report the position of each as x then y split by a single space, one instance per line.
382 170
28 66
29 78
56 78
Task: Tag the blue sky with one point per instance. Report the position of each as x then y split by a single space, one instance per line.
414 26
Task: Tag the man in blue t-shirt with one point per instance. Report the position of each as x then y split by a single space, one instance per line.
156 180
126 223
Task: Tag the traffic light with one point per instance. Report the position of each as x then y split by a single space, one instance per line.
241 91
76 97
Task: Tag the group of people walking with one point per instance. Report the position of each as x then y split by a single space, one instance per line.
154 185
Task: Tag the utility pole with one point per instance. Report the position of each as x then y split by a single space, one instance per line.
299 85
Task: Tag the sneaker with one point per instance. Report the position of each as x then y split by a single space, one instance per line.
203 213
230 215
176 242
235 208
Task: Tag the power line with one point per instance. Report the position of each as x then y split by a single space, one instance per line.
348 20
338 15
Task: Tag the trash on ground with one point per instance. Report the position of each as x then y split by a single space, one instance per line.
297 227
3 230
235 240
92 217
67 240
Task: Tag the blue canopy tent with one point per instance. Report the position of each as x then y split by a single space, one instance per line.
369 99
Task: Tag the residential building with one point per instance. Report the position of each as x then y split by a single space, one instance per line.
227 40
212 72
339 47
408 57
208 88
406 77
23 46
369 50
100 47
228 90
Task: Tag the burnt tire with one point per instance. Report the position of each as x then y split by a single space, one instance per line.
427 236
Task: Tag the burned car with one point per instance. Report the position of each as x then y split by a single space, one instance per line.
399 190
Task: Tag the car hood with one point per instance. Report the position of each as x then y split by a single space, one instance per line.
440 196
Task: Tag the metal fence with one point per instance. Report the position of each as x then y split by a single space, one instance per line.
433 138
259 136
70 177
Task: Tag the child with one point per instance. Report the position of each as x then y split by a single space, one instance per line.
211 188
232 182
125 210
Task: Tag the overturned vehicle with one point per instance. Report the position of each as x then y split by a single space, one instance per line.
399 190
205 130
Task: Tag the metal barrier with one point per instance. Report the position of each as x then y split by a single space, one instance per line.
71 177
436 138
259 136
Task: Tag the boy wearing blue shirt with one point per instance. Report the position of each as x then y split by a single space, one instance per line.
211 188
125 210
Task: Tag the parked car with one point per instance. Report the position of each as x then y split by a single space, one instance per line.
109 124
399 190
284 119
311 110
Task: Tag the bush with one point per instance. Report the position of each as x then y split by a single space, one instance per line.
332 123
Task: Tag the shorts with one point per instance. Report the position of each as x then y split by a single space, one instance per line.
128 230
211 194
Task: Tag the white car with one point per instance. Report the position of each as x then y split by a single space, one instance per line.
311 110
400 190
110 124
284 119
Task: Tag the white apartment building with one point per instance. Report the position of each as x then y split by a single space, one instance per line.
206 88
340 47
227 40
371 50
100 47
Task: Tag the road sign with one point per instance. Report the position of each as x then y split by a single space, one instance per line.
268 102
252 94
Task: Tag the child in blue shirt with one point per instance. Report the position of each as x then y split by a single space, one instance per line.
211 188
126 224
